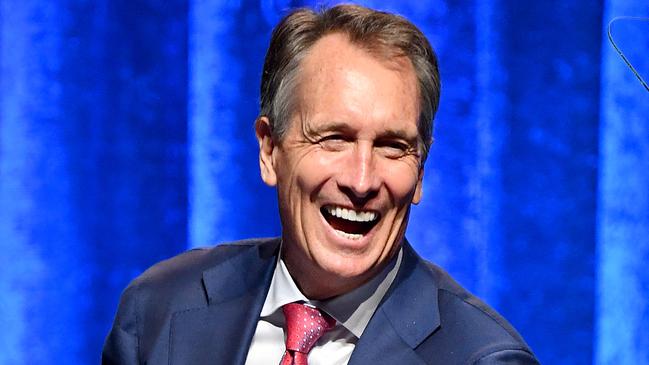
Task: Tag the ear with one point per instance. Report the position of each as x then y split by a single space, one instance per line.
419 188
266 147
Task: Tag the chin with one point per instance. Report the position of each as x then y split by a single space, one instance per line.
348 266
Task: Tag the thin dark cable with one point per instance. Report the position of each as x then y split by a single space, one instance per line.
610 38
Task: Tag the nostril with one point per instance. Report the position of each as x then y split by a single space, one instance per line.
359 198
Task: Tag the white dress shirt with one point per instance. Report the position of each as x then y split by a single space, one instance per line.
352 312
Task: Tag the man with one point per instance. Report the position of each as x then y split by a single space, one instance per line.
348 97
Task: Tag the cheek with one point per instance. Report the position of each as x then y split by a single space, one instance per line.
401 180
312 172
305 176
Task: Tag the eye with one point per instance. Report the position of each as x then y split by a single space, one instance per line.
393 148
333 142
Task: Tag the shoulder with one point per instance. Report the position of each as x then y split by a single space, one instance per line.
181 275
486 337
149 301
188 264
458 303
177 283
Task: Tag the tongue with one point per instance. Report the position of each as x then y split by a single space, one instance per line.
349 226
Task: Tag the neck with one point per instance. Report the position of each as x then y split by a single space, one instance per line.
319 284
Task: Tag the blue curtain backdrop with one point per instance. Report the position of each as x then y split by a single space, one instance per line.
126 137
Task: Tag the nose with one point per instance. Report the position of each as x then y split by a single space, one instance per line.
359 177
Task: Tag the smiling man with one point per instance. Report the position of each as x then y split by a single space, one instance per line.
348 97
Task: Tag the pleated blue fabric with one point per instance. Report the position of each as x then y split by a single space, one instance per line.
126 137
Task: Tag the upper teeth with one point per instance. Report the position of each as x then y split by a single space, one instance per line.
352 215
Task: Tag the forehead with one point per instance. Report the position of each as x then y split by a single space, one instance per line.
340 80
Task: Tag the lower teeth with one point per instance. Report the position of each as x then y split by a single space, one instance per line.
351 236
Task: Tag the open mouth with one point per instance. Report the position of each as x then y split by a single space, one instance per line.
349 223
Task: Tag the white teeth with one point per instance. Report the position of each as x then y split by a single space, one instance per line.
352 215
351 236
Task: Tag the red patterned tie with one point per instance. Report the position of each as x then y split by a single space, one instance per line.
304 326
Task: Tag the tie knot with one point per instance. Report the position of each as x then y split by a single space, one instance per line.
304 326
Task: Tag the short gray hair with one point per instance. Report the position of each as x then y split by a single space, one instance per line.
385 35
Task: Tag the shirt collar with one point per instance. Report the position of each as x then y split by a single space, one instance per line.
282 290
352 310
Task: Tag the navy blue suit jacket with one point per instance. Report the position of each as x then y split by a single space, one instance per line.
202 307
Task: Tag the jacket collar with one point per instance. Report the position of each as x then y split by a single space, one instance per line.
408 315
221 332
236 289
412 307
251 270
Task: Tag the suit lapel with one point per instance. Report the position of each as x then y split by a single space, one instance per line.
221 332
408 314
236 288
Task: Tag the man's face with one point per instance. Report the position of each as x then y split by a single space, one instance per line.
348 167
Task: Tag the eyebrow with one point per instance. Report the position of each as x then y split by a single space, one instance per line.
345 127
399 134
329 127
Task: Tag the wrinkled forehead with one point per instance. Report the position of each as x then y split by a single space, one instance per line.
335 61
340 83
389 56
